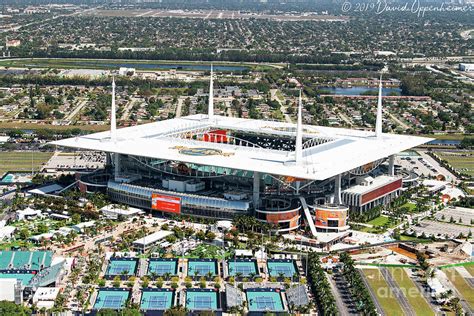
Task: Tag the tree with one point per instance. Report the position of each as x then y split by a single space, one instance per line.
116 282
210 236
10 308
75 218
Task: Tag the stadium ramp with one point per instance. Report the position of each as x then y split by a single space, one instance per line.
307 214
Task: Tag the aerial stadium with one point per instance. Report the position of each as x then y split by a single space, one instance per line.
218 167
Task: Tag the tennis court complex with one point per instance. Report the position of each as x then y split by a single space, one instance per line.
156 299
260 300
201 299
242 267
281 267
163 266
111 298
121 266
202 267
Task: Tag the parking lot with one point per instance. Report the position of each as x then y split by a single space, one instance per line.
458 214
418 164
80 160
423 164
438 229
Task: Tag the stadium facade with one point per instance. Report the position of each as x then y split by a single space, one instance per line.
218 167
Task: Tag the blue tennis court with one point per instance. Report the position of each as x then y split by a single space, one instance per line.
242 267
121 266
202 267
201 299
283 267
111 298
162 267
156 299
260 300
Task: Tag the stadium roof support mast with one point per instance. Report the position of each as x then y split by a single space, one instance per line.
299 133
113 120
378 122
210 109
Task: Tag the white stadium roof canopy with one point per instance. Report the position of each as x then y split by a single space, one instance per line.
340 150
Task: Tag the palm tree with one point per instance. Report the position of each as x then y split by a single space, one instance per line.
238 275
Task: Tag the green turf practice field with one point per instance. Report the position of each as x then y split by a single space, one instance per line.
384 294
462 161
461 285
22 161
411 292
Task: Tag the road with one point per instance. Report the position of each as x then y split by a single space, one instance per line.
340 294
423 288
395 289
398 121
283 107
179 106
76 110
447 284
128 107
345 118
445 172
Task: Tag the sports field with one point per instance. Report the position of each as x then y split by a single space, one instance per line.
142 65
384 294
22 161
461 285
411 292
462 161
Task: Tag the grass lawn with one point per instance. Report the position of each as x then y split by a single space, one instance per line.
415 239
447 136
35 126
470 268
379 221
411 206
384 294
377 224
22 160
204 251
16 243
461 285
415 298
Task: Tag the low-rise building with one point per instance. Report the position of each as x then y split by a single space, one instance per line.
44 297
466 67
143 244
27 214
370 192
113 211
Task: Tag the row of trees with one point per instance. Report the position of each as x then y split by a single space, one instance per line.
320 286
359 291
